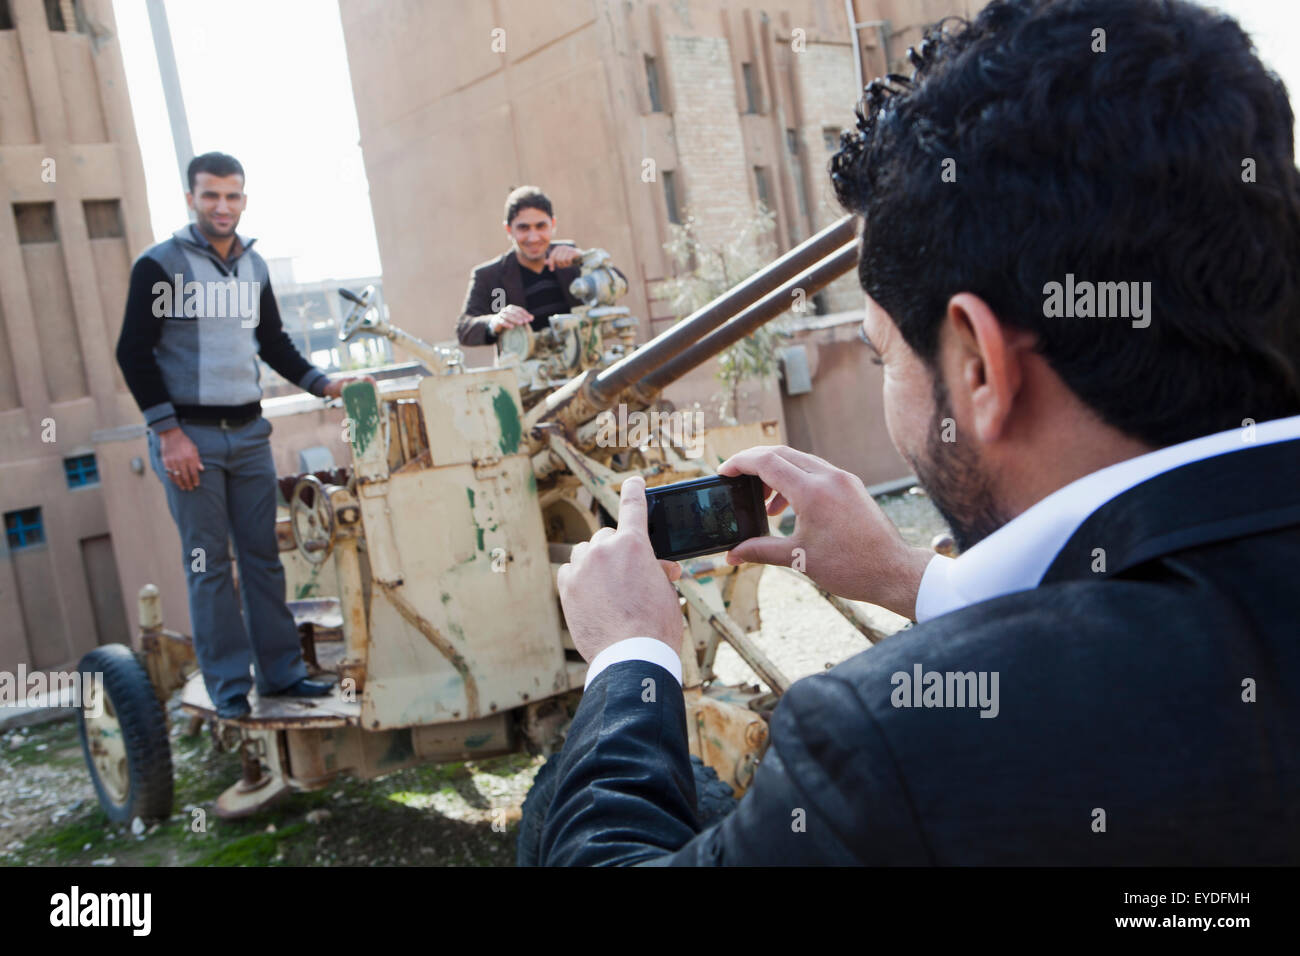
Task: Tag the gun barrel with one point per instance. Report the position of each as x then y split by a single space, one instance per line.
769 307
672 343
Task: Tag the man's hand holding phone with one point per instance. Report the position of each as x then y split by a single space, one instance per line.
614 587
848 545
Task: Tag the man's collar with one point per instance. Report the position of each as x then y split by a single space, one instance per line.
192 234
1020 554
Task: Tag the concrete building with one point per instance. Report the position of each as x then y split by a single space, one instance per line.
631 116
74 215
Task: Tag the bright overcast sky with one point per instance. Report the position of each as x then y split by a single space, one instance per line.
267 80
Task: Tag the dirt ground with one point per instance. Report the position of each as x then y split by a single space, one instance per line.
434 815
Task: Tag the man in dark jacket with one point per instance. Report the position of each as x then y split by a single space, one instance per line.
199 309
528 284
1107 673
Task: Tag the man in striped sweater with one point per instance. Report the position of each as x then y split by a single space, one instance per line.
199 311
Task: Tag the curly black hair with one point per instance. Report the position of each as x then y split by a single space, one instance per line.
527 197
1168 158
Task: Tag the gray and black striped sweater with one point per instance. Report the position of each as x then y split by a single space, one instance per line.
192 327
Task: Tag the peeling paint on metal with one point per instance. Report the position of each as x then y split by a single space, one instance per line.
508 418
362 405
478 531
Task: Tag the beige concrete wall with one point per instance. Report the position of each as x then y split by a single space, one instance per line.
63 97
841 419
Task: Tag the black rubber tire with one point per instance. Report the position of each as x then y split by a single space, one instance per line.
714 801
150 788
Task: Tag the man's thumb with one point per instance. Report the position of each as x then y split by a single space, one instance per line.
769 549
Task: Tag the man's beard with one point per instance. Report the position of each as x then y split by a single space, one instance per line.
950 473
208 228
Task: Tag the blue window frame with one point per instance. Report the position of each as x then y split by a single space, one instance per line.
24 528
81 470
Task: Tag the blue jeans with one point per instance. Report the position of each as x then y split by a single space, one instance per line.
235 498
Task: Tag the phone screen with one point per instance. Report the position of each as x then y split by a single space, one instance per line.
704 515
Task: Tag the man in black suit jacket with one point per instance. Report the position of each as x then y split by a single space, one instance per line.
526 285
1107 674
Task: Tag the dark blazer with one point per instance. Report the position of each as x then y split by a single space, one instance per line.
503 272
1120 691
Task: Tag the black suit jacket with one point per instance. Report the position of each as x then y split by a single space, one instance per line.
503 272
1120 693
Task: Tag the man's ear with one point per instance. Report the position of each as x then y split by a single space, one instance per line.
189 200
983 361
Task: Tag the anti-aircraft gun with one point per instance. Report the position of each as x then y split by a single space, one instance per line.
435 552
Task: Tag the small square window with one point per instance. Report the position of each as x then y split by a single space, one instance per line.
81 470
103 218
35 222
23 528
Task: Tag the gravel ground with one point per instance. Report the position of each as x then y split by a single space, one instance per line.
801 633
462 814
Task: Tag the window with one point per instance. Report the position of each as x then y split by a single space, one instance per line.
6 16
670 196
652 84
23 528
103 218
81 470
35 222
831 138
54 16
751 87
764 191
796 169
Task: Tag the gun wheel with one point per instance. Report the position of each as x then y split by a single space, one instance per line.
311 516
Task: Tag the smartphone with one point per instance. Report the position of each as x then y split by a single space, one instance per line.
704 515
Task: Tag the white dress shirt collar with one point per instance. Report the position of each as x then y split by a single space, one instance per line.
1017 555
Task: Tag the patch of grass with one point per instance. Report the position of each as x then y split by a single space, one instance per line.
65 843
507 766
255 849
58 738
389 820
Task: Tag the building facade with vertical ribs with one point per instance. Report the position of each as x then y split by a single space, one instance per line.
631 116
74 215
